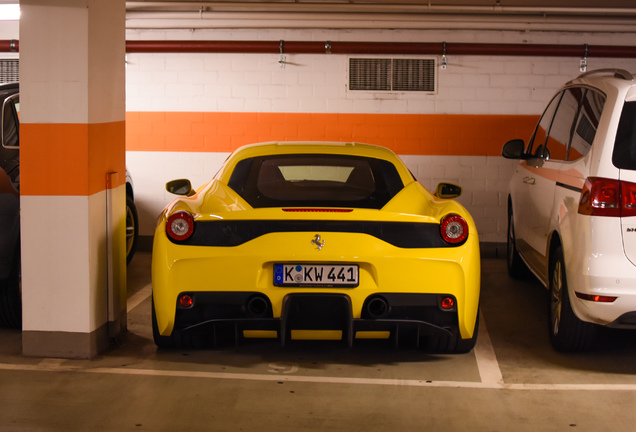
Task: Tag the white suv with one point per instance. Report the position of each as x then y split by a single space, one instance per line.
572 207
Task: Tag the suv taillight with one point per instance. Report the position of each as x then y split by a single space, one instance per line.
608 197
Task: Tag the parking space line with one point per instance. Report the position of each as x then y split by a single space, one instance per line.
487 363
489 371
321 380
54 366
139 297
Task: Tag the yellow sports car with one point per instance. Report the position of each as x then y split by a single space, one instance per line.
315 240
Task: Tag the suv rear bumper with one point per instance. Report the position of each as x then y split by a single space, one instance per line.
621 284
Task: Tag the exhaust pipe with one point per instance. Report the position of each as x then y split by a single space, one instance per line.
257 306
377 307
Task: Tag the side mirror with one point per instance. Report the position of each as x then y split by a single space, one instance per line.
10 124
181 187
514 149
447 191
542 152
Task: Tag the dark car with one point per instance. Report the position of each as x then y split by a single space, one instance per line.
10 308
10 296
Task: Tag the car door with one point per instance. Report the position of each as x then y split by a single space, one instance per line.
524 186
9 184
543 171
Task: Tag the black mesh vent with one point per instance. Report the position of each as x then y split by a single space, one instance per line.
9 70
399 75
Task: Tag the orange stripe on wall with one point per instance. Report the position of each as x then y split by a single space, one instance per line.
405 134
70 159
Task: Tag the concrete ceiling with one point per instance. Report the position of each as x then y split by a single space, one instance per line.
522 15
375 5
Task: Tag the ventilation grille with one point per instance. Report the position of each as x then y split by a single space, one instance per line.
399 75
9 70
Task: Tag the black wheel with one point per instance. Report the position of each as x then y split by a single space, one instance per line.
160 341
466 345
11 298
567 332
516 267
452 345
132 228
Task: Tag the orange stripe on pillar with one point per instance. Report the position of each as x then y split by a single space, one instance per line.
55 159
415 134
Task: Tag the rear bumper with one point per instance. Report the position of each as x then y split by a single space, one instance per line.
248 269
597 265
410 319
625 321
608 275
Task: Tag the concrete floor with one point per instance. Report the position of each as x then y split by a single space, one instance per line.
512 381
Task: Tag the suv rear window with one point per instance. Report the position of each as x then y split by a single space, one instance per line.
316 180
624 155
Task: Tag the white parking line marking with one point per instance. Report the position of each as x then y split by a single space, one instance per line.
51 367
138 298
489 371
51 364
485 357
286 368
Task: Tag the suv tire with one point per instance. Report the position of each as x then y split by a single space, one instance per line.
567 332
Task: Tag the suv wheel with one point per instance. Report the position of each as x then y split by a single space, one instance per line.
567 332
516 267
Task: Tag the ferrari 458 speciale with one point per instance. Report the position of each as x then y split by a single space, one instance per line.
315 240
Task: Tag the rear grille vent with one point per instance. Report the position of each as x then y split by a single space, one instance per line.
9 70
397 75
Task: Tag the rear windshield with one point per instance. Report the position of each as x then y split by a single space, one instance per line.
624 155
316 180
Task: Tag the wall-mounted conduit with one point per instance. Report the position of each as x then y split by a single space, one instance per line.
378 48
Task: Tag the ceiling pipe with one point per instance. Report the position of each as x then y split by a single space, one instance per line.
12 45
378 48
625 23
386 7
526 26
370 48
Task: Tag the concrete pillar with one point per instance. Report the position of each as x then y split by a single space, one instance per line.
72 150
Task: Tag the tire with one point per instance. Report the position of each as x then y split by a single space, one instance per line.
166 342
132 228
517 269
11 298
464 346
567 332
452 345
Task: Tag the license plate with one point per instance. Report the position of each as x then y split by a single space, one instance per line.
316 275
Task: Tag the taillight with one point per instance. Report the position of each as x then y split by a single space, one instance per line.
185 301
628 198
317 210
447 303
596 298
180 225
453 228
608 197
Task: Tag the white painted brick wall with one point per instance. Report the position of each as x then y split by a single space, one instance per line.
318 83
